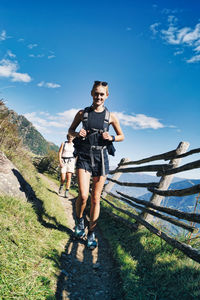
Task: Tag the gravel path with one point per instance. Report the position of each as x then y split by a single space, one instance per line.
85 274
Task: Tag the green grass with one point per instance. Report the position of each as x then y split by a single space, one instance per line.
34 234
32 238
149 267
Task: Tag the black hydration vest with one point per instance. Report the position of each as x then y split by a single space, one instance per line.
95 124
94 140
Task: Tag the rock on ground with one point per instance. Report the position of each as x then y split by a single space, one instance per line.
11 181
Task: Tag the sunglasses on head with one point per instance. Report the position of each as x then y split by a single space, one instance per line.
101 82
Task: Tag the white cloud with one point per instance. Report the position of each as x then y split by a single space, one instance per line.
170 35
40 84
52 124
52 85
49 85
9 69
51 56
55 126
64 119
172 19
167 11
38 121
24 77
3 35
68 115
31 46
178 52
192 35
10 54
194 59
154 27
44 113
139 121
183 37
197 49
128 28
36 56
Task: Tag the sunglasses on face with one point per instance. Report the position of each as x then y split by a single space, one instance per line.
100 82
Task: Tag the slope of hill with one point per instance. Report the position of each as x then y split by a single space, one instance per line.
30 136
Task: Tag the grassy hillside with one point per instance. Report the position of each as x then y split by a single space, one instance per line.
33 234
32 237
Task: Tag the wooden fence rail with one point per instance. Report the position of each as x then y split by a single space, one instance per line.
190 166
152 208
170 211
165 156
177 193
150 184
188 250
150 168
156 214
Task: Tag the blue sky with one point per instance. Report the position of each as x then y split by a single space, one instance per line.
148 52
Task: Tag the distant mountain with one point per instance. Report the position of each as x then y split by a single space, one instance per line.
30 136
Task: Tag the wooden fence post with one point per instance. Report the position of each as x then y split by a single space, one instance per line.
165 180
110 184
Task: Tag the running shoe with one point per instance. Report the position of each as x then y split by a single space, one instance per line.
79 228
66 193
91 241
60 189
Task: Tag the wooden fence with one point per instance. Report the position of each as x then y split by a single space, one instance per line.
152 208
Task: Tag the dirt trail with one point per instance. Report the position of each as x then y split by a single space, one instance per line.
85 274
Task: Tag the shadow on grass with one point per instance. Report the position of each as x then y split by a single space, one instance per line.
52 191
151 269
38 206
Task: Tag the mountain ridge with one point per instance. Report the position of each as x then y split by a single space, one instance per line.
31 137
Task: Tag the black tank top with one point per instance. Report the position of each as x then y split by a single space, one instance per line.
95 120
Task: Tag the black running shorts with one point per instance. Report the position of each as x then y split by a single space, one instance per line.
84 162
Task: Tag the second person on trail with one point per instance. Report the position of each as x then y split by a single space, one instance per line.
92 159
67 164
